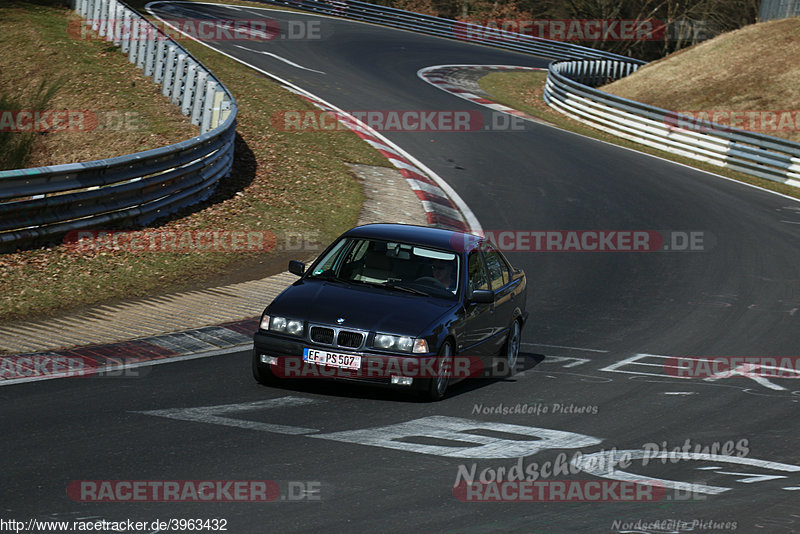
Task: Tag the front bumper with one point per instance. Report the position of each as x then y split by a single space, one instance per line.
286 361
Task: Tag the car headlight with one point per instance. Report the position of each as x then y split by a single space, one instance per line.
399 343
293 327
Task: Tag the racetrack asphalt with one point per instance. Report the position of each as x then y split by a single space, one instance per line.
595 377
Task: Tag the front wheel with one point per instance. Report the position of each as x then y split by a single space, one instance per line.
437 385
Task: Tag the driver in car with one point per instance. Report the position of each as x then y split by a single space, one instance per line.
443 272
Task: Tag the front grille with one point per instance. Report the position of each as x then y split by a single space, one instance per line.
349 339
337 337
321 334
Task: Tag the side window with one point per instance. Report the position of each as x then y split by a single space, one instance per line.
498 270
477 272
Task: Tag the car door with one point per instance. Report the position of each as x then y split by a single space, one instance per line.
478 317
501 283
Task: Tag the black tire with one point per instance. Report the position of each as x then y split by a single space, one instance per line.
436 387
509 354
261 372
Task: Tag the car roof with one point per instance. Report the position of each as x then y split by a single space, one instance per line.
418 235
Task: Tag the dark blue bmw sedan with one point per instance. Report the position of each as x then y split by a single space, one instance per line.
393 304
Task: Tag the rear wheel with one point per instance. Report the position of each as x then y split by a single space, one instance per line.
261 371
510 353
437 385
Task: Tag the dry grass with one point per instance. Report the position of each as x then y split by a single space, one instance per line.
755 68
36 46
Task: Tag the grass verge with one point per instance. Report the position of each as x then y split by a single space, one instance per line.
282 182
16 147
524 91
48 64
752 70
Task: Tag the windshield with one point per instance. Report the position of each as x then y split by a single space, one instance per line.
394 265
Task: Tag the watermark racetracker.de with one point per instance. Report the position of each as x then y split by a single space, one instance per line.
409 120
70 120
210 491
32 366
185 241
769 122
584 30
515 240
217 30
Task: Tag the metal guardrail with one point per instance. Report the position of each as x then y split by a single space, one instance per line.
778 9
42 203
452 29
570 89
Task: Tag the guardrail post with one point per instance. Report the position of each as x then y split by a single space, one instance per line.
125 36
177 82
169 70
103 30
208 106
150 54
158 76
95 14
114 16
134 41
224 107
189 88
146 33
199 97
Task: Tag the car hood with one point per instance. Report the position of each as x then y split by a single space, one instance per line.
361 307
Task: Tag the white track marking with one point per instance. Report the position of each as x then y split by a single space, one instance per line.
560 359
276 56
562 347
462 430
747 371
604 464
212 415
750 478
634 360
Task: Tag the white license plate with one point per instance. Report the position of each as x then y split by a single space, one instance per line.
332 359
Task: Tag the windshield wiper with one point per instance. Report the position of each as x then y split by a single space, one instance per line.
408 289
388 285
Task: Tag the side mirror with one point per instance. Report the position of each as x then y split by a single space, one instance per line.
481 296
297 267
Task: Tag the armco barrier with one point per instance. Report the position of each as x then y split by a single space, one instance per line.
42 203
441 27
570 89
778 9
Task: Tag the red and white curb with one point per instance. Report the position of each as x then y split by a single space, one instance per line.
127 359
440 209
438 76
